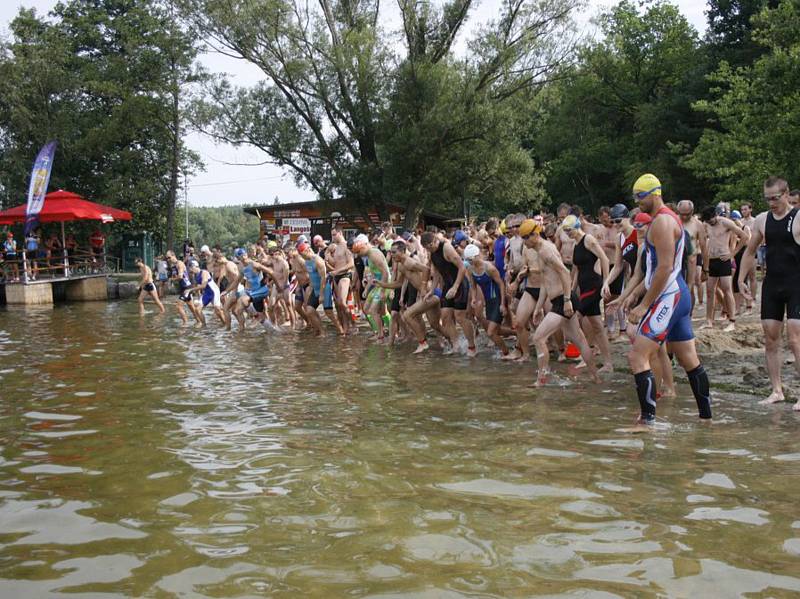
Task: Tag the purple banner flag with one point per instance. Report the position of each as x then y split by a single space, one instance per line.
40 179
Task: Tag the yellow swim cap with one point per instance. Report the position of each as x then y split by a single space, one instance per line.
503 226
272 243
529 226
647 185
571 222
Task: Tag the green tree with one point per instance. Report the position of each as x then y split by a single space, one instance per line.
103 77
624 109
354 119
755 112
730 30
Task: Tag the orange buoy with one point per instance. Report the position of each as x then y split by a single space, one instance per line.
572 351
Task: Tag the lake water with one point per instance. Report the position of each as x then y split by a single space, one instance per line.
139 458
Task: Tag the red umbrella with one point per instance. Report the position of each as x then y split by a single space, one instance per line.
61 206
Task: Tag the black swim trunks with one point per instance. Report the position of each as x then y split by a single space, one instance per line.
558 304
533 292
719 268
344 275
149 287
459 302
780 297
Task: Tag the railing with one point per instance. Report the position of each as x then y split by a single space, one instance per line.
79 263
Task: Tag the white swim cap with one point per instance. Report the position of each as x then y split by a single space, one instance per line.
361 238
205 250
471 251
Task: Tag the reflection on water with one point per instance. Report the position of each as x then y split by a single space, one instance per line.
142 459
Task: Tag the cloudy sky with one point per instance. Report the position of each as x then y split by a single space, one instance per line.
226 183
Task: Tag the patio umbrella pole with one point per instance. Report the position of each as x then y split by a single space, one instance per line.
64 250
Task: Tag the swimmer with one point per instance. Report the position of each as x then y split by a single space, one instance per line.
664 315
448 269
179 274
696 273
341 267
146 286
315 292
208 290
486 281
779 230
589 274
376 270
721 232
556 286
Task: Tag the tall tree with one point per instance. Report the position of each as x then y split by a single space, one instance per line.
755 112
339 101
624 109
100 76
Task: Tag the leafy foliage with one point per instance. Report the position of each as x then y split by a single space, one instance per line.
102 78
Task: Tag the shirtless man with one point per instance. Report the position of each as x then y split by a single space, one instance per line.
697 232
717 263
341 267
748 220
557 287
779 230
146 286
564 243
229 273
608 236
180 275
664 314
447 268
530 278
298 267
281 295
256 292
415 275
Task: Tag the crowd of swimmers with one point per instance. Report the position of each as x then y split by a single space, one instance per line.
551 282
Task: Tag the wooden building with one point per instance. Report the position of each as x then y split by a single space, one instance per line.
318 218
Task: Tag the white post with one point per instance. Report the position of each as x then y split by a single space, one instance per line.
24 266
64 250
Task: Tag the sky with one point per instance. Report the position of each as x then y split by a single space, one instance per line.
227 179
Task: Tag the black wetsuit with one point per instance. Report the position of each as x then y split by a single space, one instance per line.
589 282
780 292
449 274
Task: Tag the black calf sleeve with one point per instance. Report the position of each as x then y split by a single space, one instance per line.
698 379
646 390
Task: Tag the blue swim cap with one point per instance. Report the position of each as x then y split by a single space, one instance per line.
459 237
239 252
736 215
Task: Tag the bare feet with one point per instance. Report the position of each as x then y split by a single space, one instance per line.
669 393
514 355
796 407
422 347
541 379
774 397
472 352
707 325
730 328
609 367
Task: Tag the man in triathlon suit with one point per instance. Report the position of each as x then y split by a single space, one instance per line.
301 281
376 269
448 269
315 292
256 290
664 313
179 274
779 230
208 289
146 286
718 264
557 287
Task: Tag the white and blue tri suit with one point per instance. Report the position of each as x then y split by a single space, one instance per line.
669 317
211 293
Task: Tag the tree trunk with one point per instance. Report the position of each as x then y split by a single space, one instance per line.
172 198
410 219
